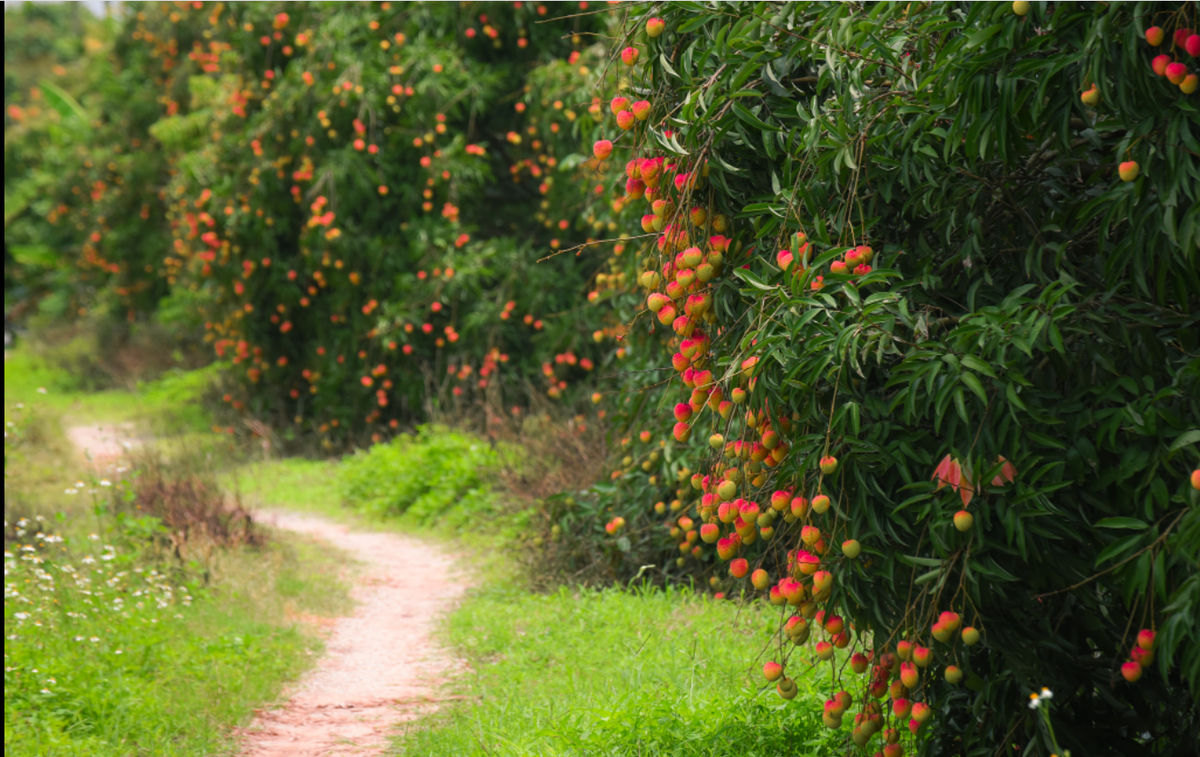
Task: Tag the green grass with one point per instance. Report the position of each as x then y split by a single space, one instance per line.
154 660
617 673
169 401
301 485
194 644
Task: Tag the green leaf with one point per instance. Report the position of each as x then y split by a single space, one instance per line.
974 385
68 107
1131 523
752 120
976 364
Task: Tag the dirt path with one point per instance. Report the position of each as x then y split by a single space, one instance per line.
381 664
103 443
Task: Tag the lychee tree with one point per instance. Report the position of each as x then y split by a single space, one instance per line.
928 277
349 200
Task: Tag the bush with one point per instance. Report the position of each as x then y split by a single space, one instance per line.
356 200
938 280
431 475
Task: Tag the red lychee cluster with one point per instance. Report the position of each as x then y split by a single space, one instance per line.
1140 656
1168 64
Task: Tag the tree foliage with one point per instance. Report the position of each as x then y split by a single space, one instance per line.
938 278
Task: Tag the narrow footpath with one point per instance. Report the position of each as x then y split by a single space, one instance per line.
381 666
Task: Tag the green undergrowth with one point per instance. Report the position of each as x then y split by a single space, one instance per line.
437 480
121 639
436 475
113 647
616 672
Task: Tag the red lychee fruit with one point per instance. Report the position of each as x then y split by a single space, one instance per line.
1131 671
1146 639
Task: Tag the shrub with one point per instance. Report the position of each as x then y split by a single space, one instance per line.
427 475
951 315
355 201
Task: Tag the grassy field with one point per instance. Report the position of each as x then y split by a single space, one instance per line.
117 643
616 672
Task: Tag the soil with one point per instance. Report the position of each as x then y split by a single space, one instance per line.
381 666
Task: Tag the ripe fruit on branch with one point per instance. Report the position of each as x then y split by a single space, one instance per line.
726 490
1196 479
963 520
954 675
1020 7
909 675
921 712
1192 45
615 525
682 432
1143 657
1129 170
1189 84
859 663
641 110
950 620
761 579
799 507
829 464
739 567
922 657
654 28
1176 72
602 149
941 632
1132 671
710 532
617 105
901 708
773 671
970 636
820 504
629 56
1154 35
626 120
1159 64
1146 639
1091 97
851 548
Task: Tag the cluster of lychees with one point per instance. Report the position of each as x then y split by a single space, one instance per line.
1168 64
